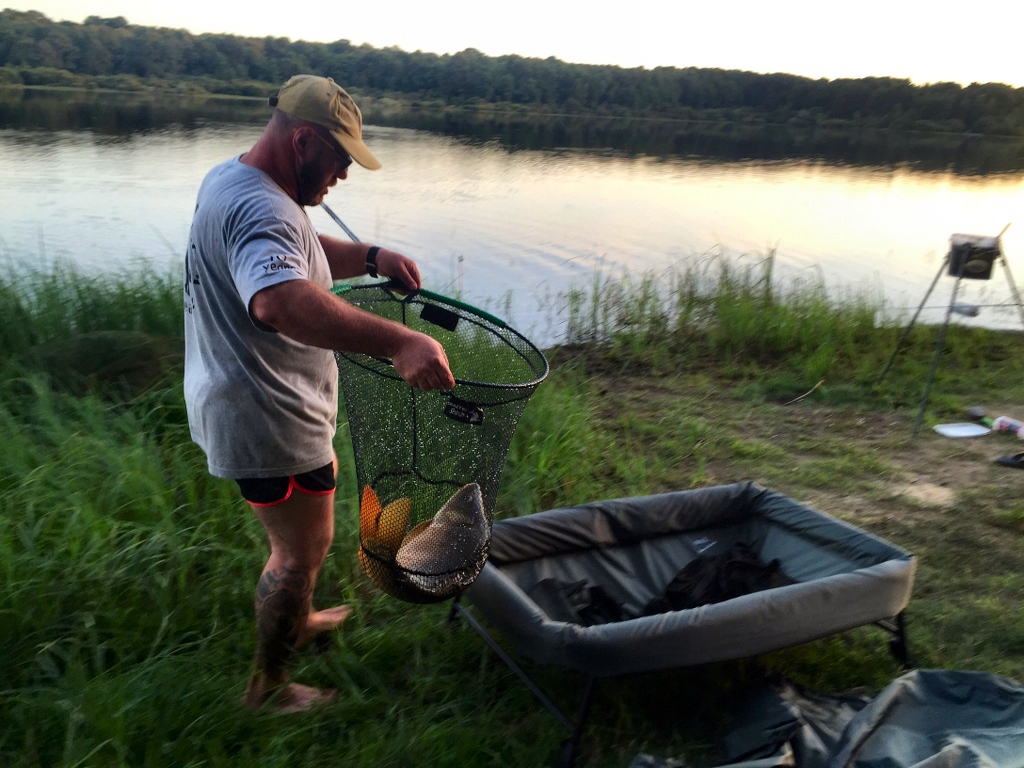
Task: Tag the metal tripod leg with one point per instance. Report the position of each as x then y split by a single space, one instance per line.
1013 287
913 320
938 349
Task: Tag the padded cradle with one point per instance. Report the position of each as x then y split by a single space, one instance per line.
632 548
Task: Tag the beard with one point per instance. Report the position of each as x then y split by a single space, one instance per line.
312 187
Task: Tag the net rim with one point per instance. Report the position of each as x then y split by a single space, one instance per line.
392 567
359 359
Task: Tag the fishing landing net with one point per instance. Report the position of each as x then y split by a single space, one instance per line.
428 464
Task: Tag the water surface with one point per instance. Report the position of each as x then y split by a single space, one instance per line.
492 221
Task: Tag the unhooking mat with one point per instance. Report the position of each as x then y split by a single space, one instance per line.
632 549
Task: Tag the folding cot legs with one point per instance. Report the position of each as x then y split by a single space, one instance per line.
569 749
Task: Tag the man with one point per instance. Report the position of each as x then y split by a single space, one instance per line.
260 376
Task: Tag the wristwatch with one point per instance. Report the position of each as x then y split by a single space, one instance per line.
371 260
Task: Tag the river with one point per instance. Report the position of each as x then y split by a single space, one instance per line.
511 228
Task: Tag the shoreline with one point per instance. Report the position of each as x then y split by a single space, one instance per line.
407 103
726 135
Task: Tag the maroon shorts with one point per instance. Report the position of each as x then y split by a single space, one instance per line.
268 491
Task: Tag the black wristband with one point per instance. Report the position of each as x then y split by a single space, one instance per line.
371 260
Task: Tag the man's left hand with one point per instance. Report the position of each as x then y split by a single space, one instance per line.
398 267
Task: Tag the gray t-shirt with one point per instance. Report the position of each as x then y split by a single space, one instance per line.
259 403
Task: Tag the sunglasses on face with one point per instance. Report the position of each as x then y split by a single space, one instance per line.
342 158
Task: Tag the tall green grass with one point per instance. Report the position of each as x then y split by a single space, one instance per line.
785 337
714 308
42 305
128 572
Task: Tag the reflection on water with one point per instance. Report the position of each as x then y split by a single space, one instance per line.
124 114
119 114
724 141
487 220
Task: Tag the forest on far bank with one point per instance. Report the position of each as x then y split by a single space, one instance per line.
112 53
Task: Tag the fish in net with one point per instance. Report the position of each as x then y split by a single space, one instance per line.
439 556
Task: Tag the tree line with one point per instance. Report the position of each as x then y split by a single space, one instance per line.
31 43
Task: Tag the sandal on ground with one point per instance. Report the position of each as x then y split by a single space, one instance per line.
1016 461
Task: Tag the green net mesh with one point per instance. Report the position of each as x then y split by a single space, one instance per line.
428 464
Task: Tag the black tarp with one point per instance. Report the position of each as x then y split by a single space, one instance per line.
924 719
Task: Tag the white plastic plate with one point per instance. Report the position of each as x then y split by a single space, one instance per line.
963 429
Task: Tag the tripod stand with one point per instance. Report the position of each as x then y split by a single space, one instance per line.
964 253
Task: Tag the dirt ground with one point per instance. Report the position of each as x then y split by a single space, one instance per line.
879 461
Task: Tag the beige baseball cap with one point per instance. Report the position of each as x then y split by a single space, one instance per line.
322 101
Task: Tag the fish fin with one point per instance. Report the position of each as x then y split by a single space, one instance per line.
465 507
369 513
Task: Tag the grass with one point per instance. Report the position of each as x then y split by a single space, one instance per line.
127 571
780 342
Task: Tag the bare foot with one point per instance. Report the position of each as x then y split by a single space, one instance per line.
290 697
321 621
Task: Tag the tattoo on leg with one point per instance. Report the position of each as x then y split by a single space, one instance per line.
283 599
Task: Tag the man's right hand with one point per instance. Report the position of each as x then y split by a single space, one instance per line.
422 363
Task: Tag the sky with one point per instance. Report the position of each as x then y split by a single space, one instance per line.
926 42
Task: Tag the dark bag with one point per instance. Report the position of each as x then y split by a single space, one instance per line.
716 578
575 601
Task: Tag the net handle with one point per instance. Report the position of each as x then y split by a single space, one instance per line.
391 286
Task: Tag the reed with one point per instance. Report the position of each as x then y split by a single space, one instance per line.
784 336
39 305
716 309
